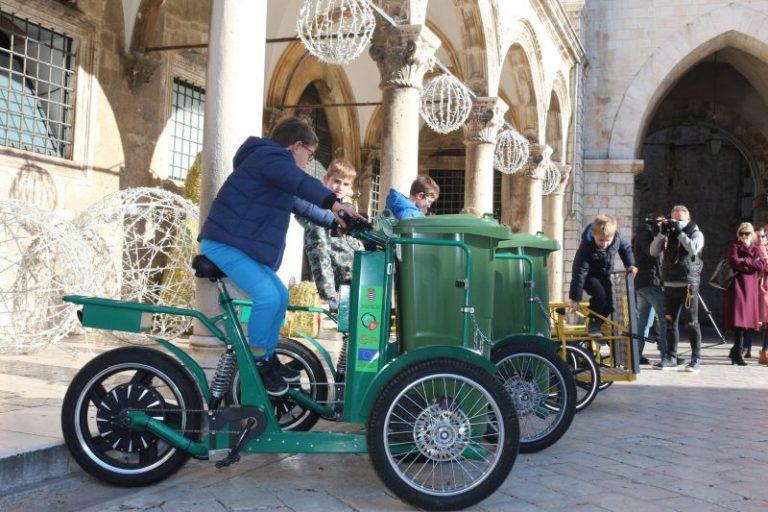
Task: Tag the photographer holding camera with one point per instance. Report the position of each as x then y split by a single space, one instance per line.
679 244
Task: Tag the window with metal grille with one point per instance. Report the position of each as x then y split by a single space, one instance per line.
375 185
451 183
187 115
37 82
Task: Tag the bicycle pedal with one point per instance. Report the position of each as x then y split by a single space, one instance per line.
228 460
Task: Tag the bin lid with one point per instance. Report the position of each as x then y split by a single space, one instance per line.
529 241
459 223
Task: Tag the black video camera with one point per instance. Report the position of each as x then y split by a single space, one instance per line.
664 226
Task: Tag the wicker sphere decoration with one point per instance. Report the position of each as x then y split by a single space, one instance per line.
445 104
42 258
551 179
335 31
512 151
149 234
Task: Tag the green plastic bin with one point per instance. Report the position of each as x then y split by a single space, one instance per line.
513 311
429 301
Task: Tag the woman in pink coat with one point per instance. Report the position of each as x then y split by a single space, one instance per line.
740 309
762 296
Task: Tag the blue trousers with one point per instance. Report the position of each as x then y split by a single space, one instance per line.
650 309
261 285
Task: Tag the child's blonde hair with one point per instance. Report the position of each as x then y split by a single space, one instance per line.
604 225
342 167
425 184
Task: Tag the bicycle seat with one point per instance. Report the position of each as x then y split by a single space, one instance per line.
206 268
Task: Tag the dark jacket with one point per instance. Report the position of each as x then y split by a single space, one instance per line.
648 266
678 263
590 262
252 209
402 207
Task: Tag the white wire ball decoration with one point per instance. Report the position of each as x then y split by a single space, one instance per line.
335 31
42 258
551 179
445 104
150 235
512 151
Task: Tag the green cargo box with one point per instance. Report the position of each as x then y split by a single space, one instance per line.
429 300
515 283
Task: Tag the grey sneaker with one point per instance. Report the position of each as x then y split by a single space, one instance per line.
694 366
665 364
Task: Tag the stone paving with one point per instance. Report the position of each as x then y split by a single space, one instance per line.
671 441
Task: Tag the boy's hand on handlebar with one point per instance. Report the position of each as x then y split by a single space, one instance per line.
347 217
574 306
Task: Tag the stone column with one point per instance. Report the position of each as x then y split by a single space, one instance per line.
553 228
403 54
524 188
480 131
234 97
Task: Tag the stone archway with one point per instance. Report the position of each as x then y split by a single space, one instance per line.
733 25
297 69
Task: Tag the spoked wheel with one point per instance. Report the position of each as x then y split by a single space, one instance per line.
290 415
586 373
428 434
543 389
130 378
596 351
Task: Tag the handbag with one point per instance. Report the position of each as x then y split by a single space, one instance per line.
722 277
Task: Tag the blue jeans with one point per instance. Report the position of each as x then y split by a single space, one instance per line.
263 287
650 308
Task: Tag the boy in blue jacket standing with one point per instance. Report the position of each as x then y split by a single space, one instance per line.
593 265
424 191
244 233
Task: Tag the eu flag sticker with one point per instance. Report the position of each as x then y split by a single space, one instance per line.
367 354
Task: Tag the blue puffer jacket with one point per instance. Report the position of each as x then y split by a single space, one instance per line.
252 210
402 207
591 262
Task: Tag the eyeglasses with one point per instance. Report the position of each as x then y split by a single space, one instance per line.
746 233
311 153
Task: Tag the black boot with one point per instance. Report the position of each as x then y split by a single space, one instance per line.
735 353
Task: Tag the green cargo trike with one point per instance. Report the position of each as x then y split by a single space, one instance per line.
442 428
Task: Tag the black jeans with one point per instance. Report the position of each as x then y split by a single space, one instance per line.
600 290
676 300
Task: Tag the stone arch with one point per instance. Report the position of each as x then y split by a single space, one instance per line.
445 44
294 71
479 50
558 118
554 129
523 53
140 22
732 25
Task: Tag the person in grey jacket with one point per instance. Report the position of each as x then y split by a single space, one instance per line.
679 244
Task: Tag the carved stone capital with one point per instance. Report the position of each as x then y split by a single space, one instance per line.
538 159
485 120
139 68
403 54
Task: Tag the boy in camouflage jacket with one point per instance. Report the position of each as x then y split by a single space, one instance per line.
330 257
